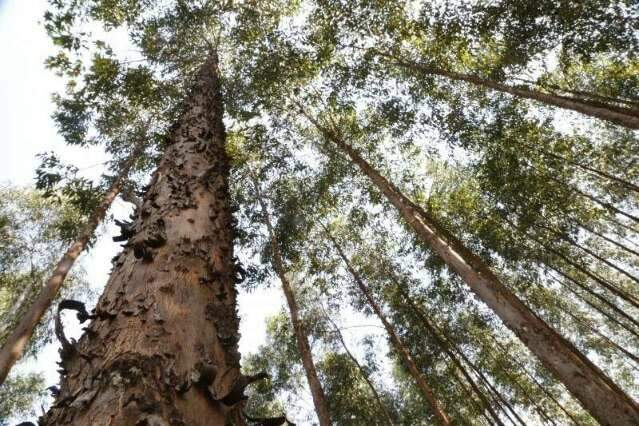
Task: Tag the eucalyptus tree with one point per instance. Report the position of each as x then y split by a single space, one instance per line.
586 381
301 337
14 345
33 232
407 359
170 303
169 306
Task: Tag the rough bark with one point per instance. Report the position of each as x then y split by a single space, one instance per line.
598 394
301 336
161 348
619 115
399 346
15 344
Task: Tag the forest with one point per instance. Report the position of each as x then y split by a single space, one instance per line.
437 200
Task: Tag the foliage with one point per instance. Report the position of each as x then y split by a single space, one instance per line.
547 198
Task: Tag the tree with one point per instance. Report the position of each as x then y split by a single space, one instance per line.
14 345
34 230
319 399
544 223
564 360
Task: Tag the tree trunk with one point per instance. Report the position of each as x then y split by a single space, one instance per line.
301 336
16 342
447 346
541 386
618 115
585 167
162 346
405 356
605 238
606 401
365 376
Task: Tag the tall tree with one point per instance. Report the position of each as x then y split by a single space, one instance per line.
301 336
624 116
585 381
405 356
34 230
170 304
15 344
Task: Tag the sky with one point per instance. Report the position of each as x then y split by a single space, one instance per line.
26 129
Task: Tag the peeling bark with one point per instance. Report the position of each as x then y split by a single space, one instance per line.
162 349
15 344
301 336
598 394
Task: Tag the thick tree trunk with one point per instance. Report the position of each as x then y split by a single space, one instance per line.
301 336
605 401
399 346
16 342
162 347
619 115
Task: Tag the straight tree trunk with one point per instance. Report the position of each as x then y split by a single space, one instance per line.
534 379
602 312
618 115
161 348
448 347
598 394
301 336
361 370
15 344
403 352
605 238
585 167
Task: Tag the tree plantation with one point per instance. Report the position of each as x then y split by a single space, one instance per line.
444 195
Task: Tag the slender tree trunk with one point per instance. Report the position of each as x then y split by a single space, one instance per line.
612 343
403 352
365 376
585 95
606 401
162 346
605 238
606 205
445 344
16 342
598 309
618 115
534 379
301 336
585 167
586 250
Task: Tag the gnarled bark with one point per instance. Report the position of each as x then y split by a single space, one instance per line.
162 346
598 394
301 336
